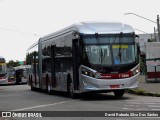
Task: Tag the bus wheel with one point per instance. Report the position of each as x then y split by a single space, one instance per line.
71 91
49 91
119 93
32 88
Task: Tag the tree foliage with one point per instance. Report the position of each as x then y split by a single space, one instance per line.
12 63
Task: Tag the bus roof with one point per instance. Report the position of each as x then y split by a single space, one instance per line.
91 28
94 27
22 67
2 59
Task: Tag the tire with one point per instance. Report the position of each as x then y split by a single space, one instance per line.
49 91
32 87
70 88
71 91
119 93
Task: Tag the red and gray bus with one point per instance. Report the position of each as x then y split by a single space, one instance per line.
3 71
85 57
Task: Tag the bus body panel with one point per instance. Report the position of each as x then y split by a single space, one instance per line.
3 71
90 83
93 84
4 81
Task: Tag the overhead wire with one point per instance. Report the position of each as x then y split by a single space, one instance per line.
13 30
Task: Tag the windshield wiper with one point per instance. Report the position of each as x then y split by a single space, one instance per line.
119 53
101 52
120 39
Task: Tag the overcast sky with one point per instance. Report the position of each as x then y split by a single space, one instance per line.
22 22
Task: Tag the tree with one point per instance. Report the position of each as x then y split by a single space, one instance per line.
151 40
11 63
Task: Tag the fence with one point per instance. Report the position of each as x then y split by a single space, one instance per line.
153 70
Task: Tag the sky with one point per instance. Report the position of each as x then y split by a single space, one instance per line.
23 22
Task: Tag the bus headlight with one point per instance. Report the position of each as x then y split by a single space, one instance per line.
136 70
85 83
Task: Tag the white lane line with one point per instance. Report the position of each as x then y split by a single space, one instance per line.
127 108
141 109
153 100
134 103
155 109
120 119
151 103
39 106
155 106
131 105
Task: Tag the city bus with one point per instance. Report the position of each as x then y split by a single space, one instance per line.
18 75
3 71
85 57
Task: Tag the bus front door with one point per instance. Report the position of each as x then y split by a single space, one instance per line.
53 80
75 64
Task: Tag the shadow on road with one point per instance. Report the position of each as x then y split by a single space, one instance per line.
101 96
88 96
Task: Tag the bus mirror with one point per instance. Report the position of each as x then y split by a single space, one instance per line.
137 36
77 36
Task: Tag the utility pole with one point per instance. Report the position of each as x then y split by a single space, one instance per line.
155 34
158 28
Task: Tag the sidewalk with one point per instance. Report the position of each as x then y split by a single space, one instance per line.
147 89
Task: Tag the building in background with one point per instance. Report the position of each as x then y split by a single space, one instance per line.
142 40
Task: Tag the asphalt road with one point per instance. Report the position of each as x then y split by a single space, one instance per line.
21 98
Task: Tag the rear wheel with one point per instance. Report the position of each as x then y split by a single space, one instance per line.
49 91
32 87
118 93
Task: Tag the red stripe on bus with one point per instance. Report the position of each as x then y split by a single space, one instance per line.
116 76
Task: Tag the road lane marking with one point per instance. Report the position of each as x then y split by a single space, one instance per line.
153 100
151 103
136 109
155 109
129 105
154 106
134 103
40 106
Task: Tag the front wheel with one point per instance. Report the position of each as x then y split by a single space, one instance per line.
119 93
71 91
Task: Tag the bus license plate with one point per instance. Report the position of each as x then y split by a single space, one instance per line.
114 86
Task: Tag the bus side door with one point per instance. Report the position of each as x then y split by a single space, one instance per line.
76 57
53 78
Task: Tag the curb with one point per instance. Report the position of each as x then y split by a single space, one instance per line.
143 92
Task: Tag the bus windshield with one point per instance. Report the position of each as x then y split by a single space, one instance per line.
109 50
2 68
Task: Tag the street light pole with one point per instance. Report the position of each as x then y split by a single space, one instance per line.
158 27
140 17
155 34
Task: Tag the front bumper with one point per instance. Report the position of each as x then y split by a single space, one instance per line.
89 84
